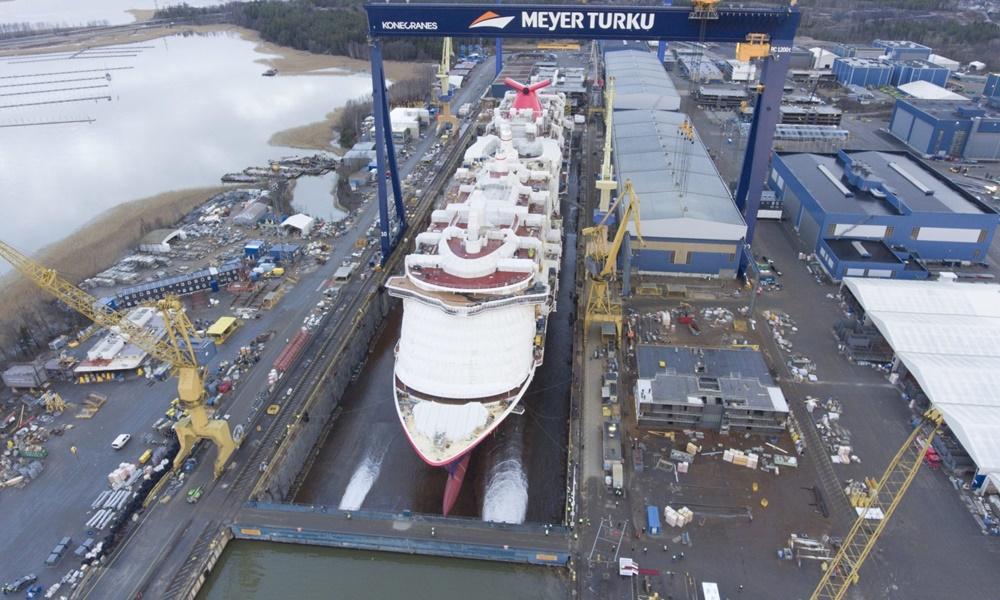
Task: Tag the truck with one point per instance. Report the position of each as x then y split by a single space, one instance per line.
617 478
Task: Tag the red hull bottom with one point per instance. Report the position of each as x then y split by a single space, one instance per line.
456 474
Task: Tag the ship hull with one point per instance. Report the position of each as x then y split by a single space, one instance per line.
457 465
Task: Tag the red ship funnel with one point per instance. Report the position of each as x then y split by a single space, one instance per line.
526 96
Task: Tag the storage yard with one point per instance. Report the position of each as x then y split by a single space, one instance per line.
734 362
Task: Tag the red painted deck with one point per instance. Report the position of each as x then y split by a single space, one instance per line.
496 279
458 248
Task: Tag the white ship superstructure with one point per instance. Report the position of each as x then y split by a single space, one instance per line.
480 284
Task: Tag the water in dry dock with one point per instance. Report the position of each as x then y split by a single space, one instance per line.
259 570
516 475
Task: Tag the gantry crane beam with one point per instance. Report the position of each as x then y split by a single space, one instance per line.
602 261
176 350
706 21
843 571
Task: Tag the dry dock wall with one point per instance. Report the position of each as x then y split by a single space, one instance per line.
293 456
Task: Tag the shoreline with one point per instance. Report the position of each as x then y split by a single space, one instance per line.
103 240
96 245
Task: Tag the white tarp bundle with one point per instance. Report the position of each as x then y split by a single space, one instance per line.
456 356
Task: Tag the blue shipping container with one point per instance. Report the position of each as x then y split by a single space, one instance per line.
653 520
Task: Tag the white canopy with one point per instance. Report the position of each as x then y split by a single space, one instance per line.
465 357
947 334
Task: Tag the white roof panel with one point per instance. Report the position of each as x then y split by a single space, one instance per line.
947 334
681 191
926 90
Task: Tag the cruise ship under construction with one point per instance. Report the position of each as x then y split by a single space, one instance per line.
480 284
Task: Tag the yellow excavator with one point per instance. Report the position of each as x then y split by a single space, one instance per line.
176 349
601 261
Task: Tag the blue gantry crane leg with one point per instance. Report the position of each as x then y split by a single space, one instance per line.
385 158
581 21
758 153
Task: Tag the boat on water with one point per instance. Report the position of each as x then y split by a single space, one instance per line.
479 286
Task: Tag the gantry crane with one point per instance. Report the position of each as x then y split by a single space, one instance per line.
884 496
176 350
601 261
444 117
606 184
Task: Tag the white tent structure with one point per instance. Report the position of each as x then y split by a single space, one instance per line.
301 222
947 335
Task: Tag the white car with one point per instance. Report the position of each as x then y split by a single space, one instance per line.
120 441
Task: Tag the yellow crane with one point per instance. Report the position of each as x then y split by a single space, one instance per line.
884 496
444 117
601 261
606 184
176 350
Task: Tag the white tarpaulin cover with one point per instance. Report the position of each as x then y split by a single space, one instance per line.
465 356
947 334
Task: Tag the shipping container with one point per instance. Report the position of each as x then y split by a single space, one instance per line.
653 520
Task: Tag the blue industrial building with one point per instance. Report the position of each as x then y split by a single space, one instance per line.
907 71
992 87
855 51
879 214
210 279
903 50
952 128
690 224
863 72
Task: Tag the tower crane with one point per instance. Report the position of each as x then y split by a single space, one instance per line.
445 118
176 350
607 181
884 495
601 261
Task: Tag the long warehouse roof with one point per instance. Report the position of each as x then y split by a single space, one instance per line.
680 191
947 334
640 81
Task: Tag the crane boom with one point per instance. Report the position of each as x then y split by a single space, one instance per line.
176 349
606 184
90 307
842 572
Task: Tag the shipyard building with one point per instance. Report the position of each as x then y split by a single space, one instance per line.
943 352
690 224
863 72
956 129
640 81
707 388
879 214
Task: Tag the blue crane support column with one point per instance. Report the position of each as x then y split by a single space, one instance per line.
385 153
499 50
499 60
758 153
661 49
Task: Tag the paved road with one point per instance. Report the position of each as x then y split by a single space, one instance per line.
149 558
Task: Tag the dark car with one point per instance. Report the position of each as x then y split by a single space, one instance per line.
19 584
34 591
